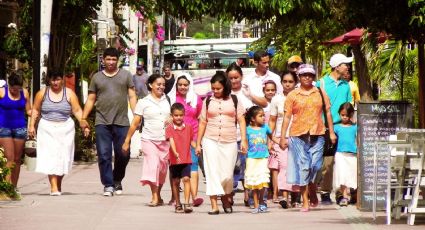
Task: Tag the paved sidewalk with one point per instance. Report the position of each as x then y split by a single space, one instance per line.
82 206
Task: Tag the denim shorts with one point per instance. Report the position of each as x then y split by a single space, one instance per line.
195 160
19 133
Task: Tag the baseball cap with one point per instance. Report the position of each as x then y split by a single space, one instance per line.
295 58
306 68
338 59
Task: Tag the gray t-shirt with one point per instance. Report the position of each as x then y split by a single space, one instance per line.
140 85
111 97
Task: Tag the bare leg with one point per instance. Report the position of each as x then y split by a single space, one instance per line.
187 189
304 194
175 190
275 173
256 198
18 150
345 191
9 151
172 184
60 178
159 193
213 200
154 191
194 180
261 192
53 179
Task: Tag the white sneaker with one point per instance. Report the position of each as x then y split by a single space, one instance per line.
108 191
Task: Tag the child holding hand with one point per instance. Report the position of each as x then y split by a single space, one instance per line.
179 134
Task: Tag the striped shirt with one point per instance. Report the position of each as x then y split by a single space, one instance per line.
55 111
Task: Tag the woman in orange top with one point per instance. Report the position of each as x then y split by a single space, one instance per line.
306 135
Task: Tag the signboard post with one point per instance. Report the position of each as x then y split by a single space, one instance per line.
376 122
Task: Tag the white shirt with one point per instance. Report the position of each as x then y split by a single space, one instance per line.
277 109
154 113
255 82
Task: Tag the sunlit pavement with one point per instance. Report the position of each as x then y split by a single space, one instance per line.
82 206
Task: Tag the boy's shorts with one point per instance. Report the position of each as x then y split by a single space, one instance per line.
180 170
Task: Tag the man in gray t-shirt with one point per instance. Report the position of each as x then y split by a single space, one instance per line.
139 80
111 89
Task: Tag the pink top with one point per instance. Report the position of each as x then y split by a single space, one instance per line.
221 119
191 114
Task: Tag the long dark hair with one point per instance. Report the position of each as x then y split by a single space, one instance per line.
294 76
347 106
221 78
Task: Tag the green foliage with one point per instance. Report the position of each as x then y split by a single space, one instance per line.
6 187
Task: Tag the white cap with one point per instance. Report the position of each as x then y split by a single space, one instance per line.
2 83
338 59
306 68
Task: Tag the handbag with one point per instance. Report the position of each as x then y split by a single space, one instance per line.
30 148
329 149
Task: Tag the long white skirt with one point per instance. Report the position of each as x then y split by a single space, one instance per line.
219 163
345 170
55 147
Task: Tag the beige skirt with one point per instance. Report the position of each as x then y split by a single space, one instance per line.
55 147
257 173
219 163
345 170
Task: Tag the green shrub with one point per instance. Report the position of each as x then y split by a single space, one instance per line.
6 187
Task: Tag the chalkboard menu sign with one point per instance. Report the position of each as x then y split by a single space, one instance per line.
376 121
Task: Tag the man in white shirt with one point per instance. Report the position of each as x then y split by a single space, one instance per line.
253 83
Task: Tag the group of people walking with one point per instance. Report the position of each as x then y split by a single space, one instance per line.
261 129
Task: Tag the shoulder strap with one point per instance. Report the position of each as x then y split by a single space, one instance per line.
168 99
235 103
323 108
207 102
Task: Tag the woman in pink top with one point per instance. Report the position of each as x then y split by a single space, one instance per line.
217 132
183 92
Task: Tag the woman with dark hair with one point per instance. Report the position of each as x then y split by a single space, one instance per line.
218 138
154 109
183 92
14 105
56 130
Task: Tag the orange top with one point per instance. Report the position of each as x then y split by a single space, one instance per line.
306 110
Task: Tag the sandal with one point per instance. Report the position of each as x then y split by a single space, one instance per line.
187 208
179 209
153 204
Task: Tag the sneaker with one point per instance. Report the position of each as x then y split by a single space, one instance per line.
263 208
326 198
284 204
118 188
251 203
343 202
255 211
108 191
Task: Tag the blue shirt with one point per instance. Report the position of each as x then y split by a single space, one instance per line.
338 93
257 141
346 138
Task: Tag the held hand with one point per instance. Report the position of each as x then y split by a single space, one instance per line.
125 147
244 147
198 150
84 124
246 90
31 132
168 121
86 132
270 146
333 138
283 143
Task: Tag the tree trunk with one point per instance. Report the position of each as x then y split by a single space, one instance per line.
421 93
365 86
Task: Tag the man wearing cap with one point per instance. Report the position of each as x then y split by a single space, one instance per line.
293 63
339 93
139 80
252 84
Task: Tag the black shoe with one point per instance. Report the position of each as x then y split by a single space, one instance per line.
118 188
326 198
216 212
284 204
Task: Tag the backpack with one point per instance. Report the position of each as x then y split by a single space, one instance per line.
235 103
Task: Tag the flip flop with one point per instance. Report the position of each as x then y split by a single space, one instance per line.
197 202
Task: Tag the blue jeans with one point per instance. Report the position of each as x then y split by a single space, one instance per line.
195 160
305 159
108 136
